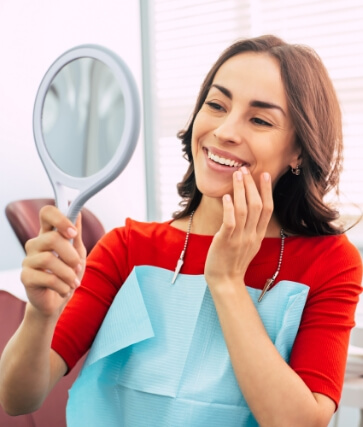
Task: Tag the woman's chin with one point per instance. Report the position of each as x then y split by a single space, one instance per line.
214 193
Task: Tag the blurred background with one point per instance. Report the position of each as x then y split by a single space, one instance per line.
169 46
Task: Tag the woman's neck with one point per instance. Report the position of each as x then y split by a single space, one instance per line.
208 216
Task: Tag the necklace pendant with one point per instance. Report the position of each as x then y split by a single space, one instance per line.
177 269
267 286
181 258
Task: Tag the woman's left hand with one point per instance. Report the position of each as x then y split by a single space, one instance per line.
245 221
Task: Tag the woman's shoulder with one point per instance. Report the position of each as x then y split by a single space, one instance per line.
338 244
326 255
136 229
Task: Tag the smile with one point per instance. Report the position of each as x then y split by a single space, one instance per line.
224 161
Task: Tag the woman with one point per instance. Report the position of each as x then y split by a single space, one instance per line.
237 312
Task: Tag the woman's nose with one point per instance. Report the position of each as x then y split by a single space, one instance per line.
230 130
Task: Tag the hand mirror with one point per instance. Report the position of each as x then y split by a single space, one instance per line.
86 123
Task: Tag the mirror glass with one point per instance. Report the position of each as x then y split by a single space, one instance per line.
83 114
86 123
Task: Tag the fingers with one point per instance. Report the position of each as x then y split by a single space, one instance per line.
267 202
52 260
55 256
46 270
229 220
252 206
78 242
56 230
240 199
51 218
54 242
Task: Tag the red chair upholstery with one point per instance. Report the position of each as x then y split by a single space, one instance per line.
52 412
23 216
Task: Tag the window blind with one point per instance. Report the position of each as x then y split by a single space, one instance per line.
185 37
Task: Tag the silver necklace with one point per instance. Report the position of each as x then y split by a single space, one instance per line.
269 282
181 258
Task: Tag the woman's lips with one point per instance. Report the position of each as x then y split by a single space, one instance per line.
224 159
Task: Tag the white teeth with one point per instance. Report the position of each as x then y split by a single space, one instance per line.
223 161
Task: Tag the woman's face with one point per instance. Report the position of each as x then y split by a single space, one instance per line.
243 121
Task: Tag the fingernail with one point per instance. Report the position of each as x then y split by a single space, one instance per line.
77 282
227 198
79 268
71 232
266 176
244 170
239 176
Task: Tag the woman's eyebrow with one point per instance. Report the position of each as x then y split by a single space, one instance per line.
254 103
269 105
223 89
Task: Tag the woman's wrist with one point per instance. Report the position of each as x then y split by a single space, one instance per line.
227 288
43 320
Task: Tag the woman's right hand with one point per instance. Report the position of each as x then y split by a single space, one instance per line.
54 265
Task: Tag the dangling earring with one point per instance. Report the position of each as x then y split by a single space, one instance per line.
297 170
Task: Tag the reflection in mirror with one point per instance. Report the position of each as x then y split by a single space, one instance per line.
82 117
86 123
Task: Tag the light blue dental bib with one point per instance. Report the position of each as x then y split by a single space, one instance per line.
160 359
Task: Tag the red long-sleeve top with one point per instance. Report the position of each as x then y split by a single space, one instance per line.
330 265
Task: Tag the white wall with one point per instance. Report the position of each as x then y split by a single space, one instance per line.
32 35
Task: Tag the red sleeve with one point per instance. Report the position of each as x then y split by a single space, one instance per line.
320 350
107 268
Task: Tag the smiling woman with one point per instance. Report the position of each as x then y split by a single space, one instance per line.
264 290
255 90
184 40
243 118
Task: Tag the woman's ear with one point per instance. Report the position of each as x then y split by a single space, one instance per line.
296 164
296 158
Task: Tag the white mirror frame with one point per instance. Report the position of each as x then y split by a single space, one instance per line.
89 185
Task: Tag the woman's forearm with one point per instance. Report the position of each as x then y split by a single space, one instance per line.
27 369
276 395
52 270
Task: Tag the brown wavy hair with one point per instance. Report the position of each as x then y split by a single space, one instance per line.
314 108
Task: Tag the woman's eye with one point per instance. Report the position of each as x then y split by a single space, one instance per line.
261 122
214 106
